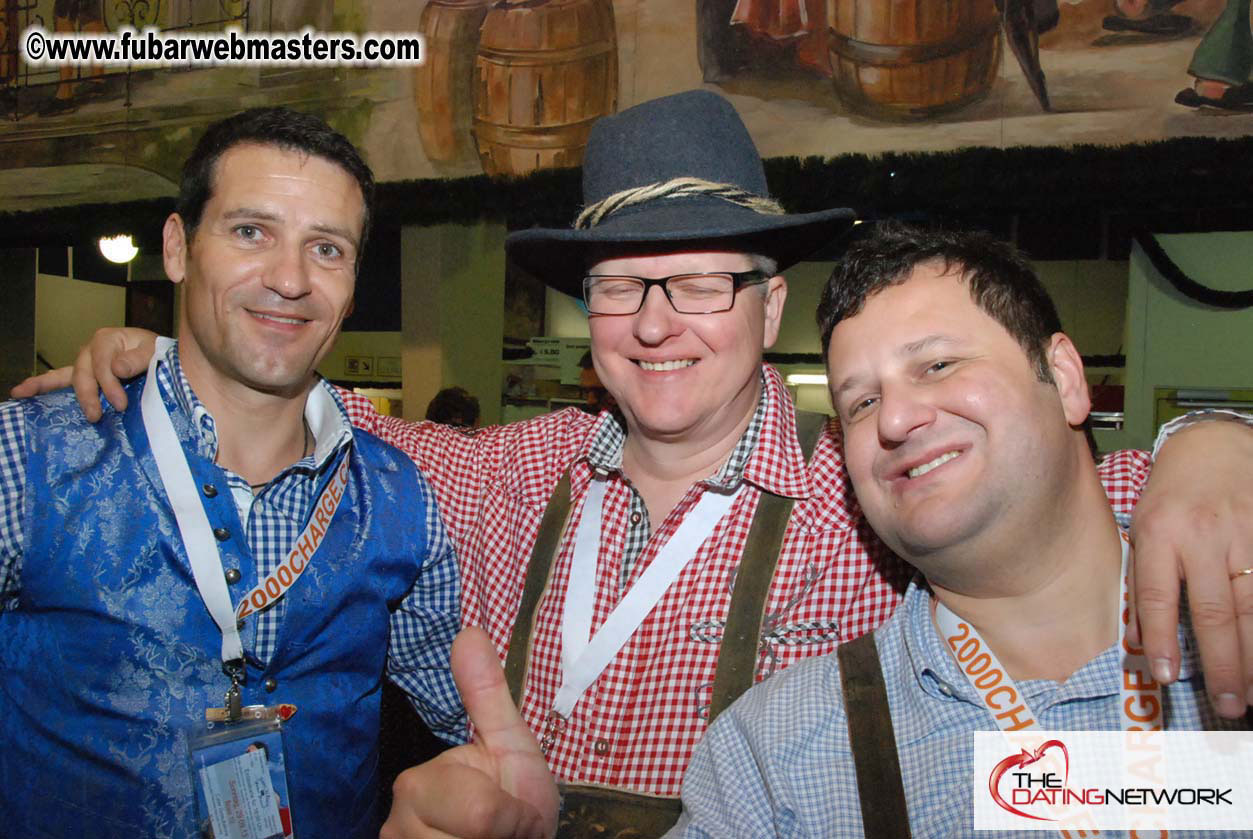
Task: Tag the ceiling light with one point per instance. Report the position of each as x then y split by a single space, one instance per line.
120 249
807 379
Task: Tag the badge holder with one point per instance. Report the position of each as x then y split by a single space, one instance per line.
239 770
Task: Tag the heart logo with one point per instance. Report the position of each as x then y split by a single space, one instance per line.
1025 758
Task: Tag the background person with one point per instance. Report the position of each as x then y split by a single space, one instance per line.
1222 65
598 398
454 406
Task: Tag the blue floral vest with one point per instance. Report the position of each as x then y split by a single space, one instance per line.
110 653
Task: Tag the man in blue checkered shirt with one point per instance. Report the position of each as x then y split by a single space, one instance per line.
962 407
323 543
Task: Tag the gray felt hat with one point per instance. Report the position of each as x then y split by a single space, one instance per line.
690 135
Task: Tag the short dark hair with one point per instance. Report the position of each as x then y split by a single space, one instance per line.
282 127
454 406
1002 283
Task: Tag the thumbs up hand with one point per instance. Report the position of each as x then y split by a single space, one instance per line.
497 787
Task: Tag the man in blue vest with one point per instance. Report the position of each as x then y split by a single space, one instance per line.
229 546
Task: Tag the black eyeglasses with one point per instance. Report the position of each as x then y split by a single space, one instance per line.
689 294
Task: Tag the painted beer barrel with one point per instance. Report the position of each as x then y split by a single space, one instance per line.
444 85
545 71
8 41
906 59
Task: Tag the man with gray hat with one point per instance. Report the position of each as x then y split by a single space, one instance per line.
639 569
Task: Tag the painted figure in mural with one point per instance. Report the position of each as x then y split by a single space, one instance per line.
235 477
945 357
901 61
1223 64
84 17
1148 17
8 50
705 528
888 60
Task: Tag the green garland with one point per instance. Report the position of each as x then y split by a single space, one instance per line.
1164 179
1186 285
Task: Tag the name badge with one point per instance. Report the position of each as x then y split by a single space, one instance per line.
239 772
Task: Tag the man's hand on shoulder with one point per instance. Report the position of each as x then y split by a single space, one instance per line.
497 787
112 354
1194 523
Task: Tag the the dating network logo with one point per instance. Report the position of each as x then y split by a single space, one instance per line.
1035 783
1027 788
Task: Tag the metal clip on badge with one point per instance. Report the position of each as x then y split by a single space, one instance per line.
232 701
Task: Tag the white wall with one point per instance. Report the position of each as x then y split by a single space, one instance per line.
453 314
68 311
379 349
1176 342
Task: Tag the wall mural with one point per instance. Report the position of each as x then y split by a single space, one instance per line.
52 91
905 60
523 80
510 86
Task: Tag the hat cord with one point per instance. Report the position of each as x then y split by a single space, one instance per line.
675 188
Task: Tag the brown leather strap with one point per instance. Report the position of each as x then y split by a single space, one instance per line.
872 740
613 814
738 657
543 557
741 638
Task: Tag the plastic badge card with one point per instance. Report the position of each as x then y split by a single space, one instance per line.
241 781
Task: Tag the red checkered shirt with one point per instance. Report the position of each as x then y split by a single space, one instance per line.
636 726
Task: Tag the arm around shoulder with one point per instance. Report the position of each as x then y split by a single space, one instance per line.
1194 523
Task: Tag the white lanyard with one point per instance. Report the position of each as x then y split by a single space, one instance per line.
1140 707
197 535
584 656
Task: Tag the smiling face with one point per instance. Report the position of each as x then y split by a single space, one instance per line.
685 377
951 440
268 274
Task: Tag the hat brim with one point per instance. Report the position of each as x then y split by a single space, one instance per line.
560 257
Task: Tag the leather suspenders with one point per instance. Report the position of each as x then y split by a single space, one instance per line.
872 740
543 558
741 638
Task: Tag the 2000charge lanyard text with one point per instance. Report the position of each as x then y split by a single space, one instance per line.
585 656
1140 697
201 546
